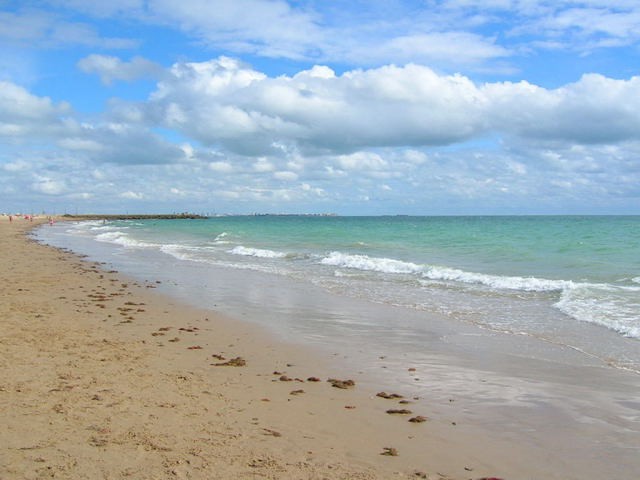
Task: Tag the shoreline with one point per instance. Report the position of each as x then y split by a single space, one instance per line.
456 442
104 377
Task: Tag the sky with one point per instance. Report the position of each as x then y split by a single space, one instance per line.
432 107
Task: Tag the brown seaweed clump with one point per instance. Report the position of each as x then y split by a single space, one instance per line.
234 362
344 384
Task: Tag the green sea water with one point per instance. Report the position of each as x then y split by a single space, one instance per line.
552 277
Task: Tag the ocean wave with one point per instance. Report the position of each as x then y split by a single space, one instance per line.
636 279
256 252
220 239
389 265
606 305
177 251
106 228
364 262
121 238
527 284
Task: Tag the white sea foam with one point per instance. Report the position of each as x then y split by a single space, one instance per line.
364 262
607 305
221 239
389 265
636 279
177 251
121 238
527 284
256 252
107 228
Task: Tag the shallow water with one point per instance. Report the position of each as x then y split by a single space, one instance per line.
549 277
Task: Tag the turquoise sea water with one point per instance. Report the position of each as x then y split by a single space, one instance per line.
550 277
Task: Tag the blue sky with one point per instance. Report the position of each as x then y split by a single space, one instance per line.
353 107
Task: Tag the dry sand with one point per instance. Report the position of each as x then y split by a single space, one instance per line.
104 378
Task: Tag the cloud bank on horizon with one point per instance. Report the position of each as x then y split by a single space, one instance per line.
420 107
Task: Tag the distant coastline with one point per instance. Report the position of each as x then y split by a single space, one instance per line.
173 216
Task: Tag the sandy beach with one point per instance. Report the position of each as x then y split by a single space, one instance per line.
104 378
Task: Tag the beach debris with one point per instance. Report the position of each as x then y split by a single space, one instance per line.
388 395
275 372
404 402
349 407
418 419
217 356
234 362
490 478
195 347
296 392
273 433
97 441
157 334
174 339
344 384
313 379
411 369
399 411
284 378
389 451
420 474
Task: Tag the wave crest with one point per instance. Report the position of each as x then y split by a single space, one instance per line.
256 252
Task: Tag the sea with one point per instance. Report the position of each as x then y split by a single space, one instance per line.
567 280
522 329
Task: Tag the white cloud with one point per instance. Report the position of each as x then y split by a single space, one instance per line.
285 176
129 195
387 133
221 167
111 68
245 111
362 161
441 48
273 28
23 114
248 112
31 27
49 186
263 165
596 109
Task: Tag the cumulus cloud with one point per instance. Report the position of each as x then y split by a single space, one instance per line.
316 111
285 176
49 186
23 114
596 109
112 68
129 195
398 134
231 104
